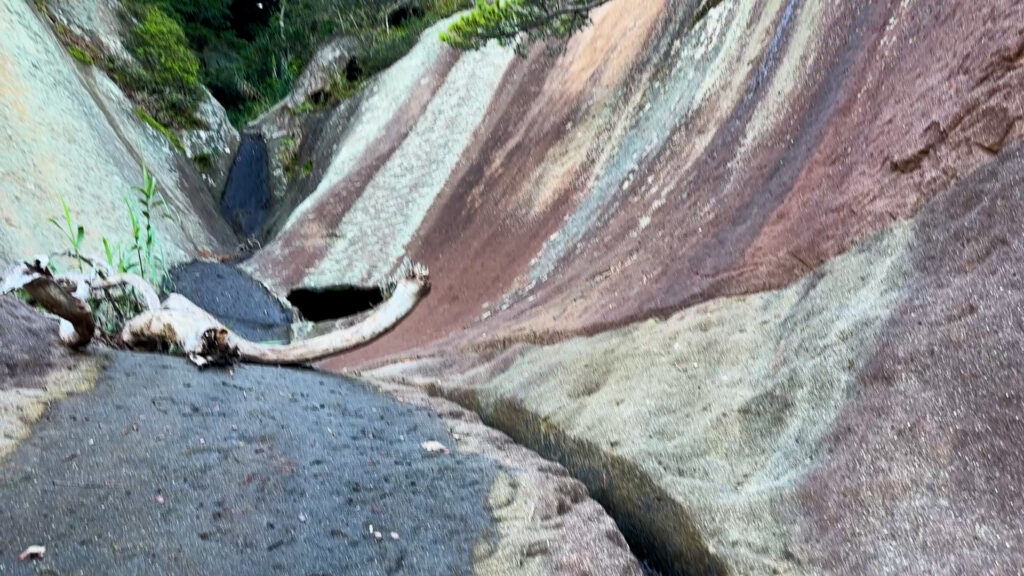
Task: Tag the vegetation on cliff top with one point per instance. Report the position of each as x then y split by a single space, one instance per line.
167 79
250 53
520 23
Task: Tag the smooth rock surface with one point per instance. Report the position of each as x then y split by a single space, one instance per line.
69 132
232 297
747 271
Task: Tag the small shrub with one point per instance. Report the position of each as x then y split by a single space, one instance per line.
204 161
169 70
143 255
519 23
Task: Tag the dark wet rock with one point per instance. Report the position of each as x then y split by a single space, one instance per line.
29 348
246 197
163 469
234 298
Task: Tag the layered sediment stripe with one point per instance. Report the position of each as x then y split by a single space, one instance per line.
384 101
809 152
924 462
371 239
730 159
696 431
527 167
386 114
668 106
681 220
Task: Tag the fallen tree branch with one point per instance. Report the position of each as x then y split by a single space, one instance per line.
180 323
403 300
77 324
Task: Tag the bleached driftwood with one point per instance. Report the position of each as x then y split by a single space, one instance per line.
182 324
77 324
179 324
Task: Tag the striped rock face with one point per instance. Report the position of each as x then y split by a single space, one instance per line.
752 273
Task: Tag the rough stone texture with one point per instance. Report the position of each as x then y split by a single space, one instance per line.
98 23
921 471
35 369
261 471
265 468
545 523
213 146
232 297
716 268
31 349
690 430
654 166
298 137
363 140
68 132
329 61
102 26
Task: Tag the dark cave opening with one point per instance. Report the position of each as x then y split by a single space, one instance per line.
334 303
403 14
353 71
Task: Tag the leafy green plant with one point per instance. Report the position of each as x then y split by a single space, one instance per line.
519 23
143 255
168 78
117 259
144 247
250 55
74 234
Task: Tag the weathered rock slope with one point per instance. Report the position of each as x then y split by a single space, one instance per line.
752 273
67 131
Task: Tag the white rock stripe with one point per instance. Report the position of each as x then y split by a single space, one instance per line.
373 235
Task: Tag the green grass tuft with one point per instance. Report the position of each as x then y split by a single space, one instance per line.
81 55
156 125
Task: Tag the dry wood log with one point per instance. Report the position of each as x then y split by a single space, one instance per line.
77 324
181 324
148 296
178 324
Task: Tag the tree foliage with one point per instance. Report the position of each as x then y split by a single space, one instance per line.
171 68
250 53
519 23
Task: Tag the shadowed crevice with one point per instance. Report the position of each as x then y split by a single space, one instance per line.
660 531
336 302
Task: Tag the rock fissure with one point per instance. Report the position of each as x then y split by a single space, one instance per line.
660 531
